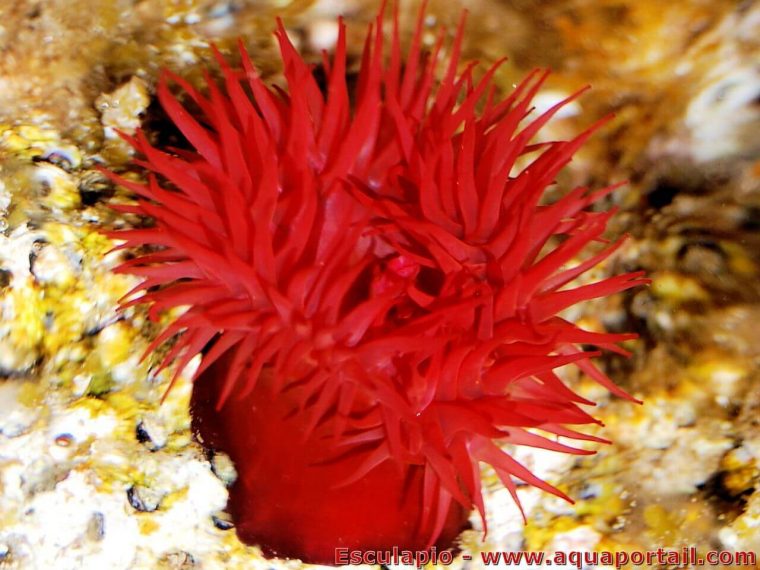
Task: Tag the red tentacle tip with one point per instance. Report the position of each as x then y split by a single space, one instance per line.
370 293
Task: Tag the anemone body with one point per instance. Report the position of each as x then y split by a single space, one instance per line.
295 495
372 289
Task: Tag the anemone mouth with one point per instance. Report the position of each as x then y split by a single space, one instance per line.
387 266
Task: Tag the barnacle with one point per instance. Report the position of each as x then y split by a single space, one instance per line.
374 287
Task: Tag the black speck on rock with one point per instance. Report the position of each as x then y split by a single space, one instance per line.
5 278
96 527
94 187
151 433
222 521
143 499
662 194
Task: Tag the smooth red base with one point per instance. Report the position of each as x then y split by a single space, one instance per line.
287 503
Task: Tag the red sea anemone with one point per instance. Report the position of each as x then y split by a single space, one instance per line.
370 287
